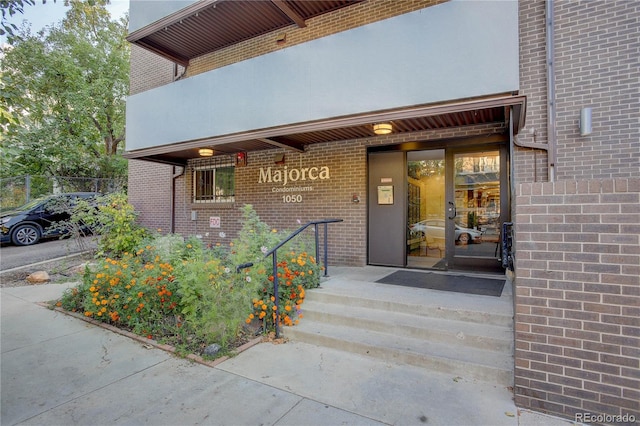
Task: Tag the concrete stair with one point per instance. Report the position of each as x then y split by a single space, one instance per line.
459 334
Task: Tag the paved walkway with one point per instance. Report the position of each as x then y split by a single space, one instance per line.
59 370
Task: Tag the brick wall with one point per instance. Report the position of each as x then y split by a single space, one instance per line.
332 198
597 48
531 165
577 283
577 297
150 193
149 70
597 64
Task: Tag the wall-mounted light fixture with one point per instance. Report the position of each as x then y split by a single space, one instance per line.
205 152
281 39
382 128
279 159
585 121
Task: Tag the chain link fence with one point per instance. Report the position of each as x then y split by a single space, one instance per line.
16 191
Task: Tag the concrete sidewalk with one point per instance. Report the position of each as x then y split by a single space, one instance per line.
59 370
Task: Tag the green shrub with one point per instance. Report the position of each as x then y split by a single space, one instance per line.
184 294
117 227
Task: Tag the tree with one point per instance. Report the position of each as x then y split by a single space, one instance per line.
10 8
65 89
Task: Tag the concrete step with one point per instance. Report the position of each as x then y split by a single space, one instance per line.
459 334
478 313
477 364
454 332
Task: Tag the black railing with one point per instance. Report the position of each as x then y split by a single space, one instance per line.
507 245
274 253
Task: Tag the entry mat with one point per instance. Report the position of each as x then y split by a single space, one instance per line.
445 282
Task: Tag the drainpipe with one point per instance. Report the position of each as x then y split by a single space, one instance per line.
551 93
175 176
550 146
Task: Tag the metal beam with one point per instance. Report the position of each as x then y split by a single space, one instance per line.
280 144
284 7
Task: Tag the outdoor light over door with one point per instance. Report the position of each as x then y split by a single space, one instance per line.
205 152
382 128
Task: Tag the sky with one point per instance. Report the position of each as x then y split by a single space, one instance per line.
40 15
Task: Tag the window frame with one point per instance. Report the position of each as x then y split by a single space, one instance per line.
197 171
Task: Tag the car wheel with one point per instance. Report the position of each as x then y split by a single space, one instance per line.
464 239
25 235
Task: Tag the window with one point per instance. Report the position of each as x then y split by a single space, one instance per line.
214 184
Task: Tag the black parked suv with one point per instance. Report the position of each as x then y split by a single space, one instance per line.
36 220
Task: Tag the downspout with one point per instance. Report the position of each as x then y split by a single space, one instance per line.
175 176
551 93
550 146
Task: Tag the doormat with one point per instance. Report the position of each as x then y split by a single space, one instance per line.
444 282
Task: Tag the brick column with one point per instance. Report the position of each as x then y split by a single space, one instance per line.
577 297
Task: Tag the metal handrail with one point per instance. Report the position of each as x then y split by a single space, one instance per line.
274 253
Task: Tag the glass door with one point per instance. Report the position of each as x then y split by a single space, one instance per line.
475 209
455 203
426 200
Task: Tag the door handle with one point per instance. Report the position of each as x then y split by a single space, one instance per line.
452 210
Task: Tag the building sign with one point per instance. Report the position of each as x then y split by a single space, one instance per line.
300 177
214 222
287 175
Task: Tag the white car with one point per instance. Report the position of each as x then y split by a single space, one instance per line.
433 229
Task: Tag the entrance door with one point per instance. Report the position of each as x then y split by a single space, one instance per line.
456 200
478 206
426 202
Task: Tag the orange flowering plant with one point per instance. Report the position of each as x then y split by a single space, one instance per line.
137 291
296 273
